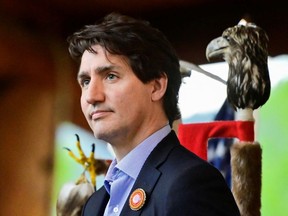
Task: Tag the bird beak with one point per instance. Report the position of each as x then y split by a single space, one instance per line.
215 49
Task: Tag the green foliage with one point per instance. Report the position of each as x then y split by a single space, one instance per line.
273 136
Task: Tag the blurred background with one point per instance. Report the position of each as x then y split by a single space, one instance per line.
39 95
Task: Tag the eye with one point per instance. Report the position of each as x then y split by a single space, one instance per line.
227 38
84 81
111 76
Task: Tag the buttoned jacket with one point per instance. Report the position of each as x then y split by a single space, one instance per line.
176 183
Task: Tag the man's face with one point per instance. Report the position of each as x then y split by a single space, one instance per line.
115 102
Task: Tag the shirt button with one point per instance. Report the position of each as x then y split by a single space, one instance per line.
115 209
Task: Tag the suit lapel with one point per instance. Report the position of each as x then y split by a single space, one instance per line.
97 203
146 183
149 173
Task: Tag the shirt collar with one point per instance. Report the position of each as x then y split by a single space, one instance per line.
132 163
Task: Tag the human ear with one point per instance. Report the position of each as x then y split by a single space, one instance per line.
159 87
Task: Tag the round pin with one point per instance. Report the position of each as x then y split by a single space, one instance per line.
137 199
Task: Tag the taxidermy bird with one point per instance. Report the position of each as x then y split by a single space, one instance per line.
73 195
244 48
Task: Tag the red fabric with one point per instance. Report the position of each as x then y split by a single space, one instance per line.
195 136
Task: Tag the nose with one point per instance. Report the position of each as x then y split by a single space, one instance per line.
94 93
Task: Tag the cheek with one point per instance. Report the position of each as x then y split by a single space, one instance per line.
134 100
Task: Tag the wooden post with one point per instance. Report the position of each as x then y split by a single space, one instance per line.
246 166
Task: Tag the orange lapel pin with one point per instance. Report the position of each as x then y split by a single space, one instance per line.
137 199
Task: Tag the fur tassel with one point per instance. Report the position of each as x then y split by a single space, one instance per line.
246 165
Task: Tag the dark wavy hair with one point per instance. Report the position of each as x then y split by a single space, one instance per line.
148 51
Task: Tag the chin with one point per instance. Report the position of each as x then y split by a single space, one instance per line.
101 134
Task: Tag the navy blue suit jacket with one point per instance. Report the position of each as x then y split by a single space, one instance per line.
177 183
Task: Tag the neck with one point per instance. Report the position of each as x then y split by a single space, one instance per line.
122 147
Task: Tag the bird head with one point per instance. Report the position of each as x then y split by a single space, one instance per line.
245 48
245 38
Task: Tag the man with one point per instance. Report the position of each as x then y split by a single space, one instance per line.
129 77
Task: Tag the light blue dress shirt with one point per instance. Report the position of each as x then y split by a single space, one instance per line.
121 176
